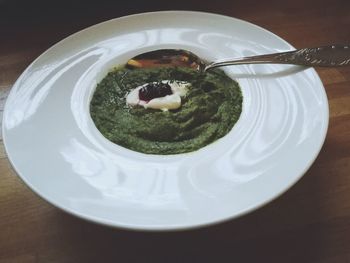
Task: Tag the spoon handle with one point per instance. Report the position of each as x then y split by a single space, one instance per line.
325 56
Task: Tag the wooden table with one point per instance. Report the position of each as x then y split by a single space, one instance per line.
309 223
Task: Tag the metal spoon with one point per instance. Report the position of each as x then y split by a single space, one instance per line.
325 56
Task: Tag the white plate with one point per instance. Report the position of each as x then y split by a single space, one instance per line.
55 148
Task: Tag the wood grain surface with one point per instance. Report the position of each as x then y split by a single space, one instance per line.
309 223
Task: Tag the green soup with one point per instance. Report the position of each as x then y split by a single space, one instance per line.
209 110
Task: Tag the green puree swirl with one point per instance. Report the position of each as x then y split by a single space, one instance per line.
209 110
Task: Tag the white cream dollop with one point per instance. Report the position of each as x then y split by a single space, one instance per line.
168 102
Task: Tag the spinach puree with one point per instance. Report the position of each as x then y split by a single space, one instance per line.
209 110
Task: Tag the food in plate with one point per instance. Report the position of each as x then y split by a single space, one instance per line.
165 110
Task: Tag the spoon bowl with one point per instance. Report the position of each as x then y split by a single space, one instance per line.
167 57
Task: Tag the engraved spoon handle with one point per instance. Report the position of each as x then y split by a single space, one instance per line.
325 56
